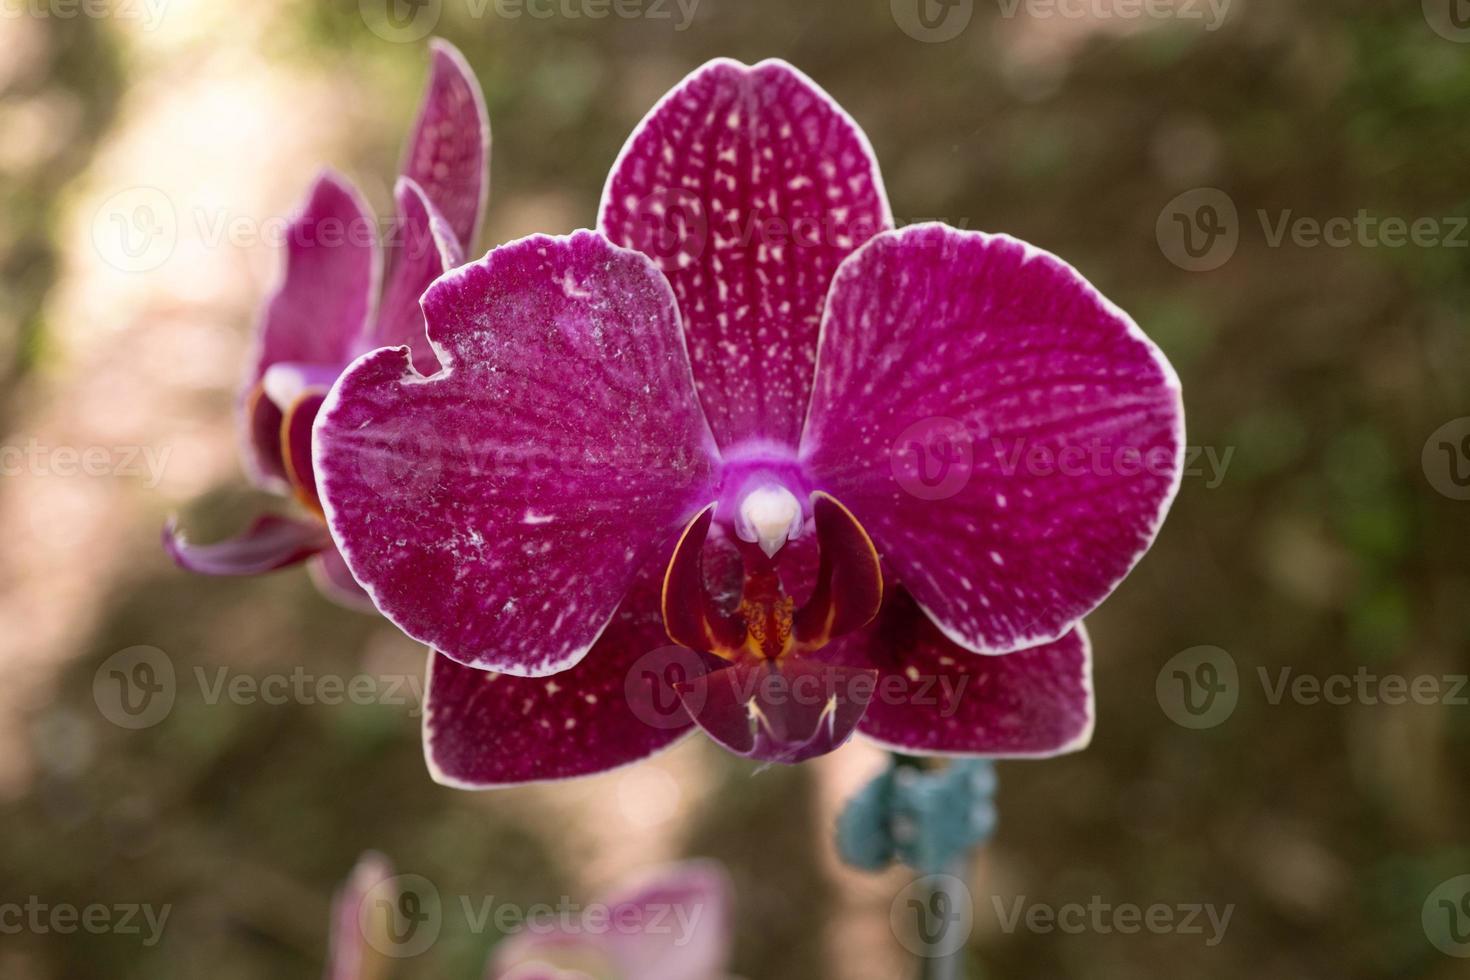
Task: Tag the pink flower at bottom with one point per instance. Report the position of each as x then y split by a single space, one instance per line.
672 924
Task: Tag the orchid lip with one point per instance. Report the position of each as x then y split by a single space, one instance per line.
767 626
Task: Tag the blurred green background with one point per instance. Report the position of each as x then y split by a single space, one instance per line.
1325 546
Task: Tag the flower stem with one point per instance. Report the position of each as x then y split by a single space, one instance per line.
951 967
941 895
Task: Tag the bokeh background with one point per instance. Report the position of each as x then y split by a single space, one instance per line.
1330 542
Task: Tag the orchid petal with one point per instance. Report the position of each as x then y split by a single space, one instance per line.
319 312
501 510
449 152
351 956
674 925
698 894
1002 355
423 248
936 698
541 971
270 543
483 729
749 186
334 580
784 711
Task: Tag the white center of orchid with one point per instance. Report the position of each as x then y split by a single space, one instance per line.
283 385
769 515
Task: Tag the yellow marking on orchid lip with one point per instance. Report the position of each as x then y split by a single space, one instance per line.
768 627
307 499
723 652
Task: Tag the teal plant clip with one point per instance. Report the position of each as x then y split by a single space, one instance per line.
925 818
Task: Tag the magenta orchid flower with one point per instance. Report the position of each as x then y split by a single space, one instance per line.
328 310
695 426
673 924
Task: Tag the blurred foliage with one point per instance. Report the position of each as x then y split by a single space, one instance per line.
74 93
1323 548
